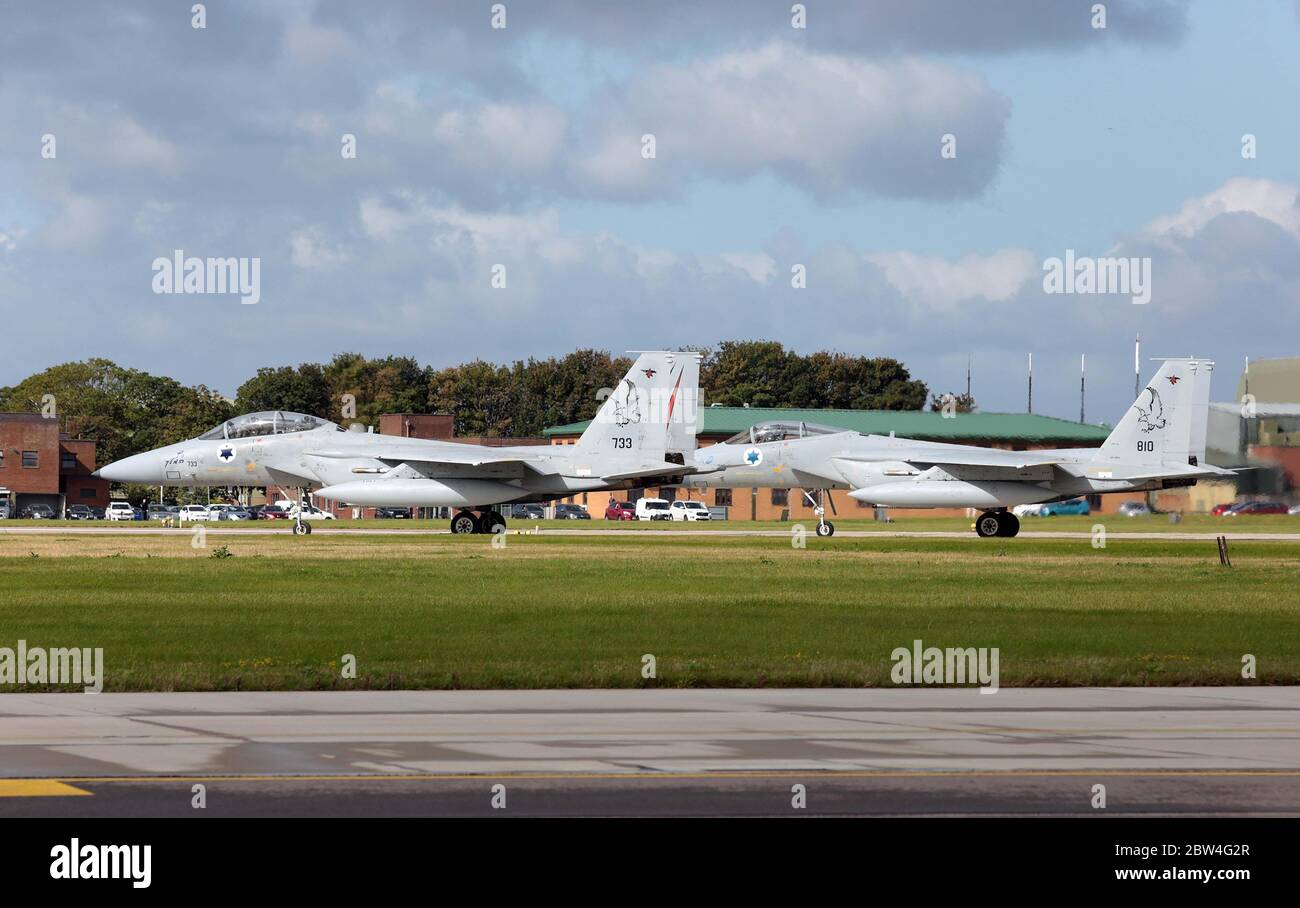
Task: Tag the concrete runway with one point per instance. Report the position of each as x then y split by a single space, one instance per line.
522 526
1166 751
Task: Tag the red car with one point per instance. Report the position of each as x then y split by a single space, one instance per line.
1220 508
1257 507
620 510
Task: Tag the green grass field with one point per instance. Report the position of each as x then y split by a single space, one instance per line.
422 611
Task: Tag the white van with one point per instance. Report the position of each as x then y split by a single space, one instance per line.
652 509
119 510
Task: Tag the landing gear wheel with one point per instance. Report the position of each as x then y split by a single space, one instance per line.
488 522
826 528
301 529
464 523
989 524
1010 524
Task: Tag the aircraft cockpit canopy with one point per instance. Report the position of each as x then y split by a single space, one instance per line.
779 431
267 422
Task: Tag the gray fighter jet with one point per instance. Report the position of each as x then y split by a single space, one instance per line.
1160 443
642 434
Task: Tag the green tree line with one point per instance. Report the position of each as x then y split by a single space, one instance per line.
128 410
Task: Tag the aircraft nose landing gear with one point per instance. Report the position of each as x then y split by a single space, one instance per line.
997 523
824 526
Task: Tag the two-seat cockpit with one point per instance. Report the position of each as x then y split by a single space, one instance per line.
266 422
779 430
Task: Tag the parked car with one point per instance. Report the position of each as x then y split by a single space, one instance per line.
620 510
98 513
273 512
571 512
193 512
79 512
1134 509
1220 509
1028 510
1073 506
652 509
1256 507
689 510
38 512
227 512
158 511
310 512
528 512
119 510
1295 509
4 510
393 513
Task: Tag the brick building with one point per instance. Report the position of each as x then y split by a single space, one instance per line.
39 464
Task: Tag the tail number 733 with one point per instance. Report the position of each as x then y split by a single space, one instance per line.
622 441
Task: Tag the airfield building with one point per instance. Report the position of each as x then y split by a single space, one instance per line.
39 464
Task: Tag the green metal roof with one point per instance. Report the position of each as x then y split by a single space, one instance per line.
920 424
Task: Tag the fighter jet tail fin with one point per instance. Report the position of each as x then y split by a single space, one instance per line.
653 412
1167 423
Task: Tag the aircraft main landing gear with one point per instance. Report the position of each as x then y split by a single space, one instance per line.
490 521
482 522
997 523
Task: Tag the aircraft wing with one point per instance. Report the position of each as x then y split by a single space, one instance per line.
400 453
659 468
974 457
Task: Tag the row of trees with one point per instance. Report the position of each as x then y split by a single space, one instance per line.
128 410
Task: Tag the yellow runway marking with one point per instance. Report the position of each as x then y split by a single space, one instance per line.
668 775
38 788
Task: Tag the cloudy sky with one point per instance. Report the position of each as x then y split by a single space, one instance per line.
774 147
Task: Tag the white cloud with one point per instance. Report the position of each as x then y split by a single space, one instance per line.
941 284
10 238
515 138
81 222
312 45
758 265
1270 200
309 250
126 143
827 122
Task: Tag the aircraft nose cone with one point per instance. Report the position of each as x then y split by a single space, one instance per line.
139 468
